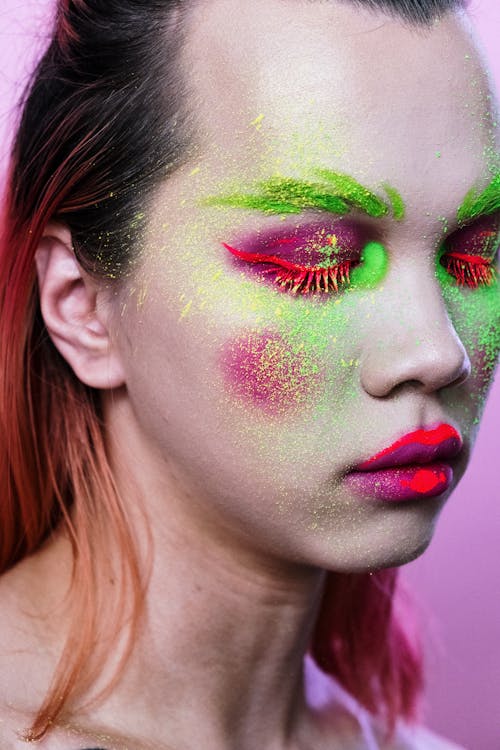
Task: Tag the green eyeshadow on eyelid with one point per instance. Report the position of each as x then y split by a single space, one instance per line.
373 267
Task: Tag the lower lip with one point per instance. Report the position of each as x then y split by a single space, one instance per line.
402 483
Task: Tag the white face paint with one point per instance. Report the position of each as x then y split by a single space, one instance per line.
282 88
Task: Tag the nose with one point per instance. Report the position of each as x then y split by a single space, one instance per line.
413 342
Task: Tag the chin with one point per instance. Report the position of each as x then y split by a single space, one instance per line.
387 543
403 556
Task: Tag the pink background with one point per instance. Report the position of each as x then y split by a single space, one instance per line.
457 580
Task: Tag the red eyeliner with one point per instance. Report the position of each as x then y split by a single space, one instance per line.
297 278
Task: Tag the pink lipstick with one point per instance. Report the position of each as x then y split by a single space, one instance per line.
415 466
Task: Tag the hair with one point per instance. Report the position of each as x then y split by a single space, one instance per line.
415 12
103 122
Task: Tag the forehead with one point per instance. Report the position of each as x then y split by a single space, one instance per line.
285 85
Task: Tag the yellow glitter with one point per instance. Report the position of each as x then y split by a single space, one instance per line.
186 310
142 297
257 123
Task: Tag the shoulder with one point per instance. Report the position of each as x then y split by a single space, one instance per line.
325 695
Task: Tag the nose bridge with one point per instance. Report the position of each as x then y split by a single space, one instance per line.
413 339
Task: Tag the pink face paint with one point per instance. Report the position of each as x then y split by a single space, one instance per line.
479 238
263 370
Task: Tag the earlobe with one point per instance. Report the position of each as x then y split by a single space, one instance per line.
76 324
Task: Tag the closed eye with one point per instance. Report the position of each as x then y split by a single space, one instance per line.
296 278
469 254
470 270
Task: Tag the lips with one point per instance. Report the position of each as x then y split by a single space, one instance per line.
424 446
414 467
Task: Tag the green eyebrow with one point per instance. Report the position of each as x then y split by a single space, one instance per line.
336 193
481 204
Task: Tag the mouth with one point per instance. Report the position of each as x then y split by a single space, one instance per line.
418 465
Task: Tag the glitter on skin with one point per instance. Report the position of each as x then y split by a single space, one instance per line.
312 329
476 316
317 328
266 371
257 123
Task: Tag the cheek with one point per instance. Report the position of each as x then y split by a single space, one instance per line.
263 370
484 344
476 317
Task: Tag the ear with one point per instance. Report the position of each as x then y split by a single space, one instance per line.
77 324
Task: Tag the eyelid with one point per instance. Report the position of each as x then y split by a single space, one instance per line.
480 238
309 236
297 277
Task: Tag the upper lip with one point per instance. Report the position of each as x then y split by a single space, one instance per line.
423 446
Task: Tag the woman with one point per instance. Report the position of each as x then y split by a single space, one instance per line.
250 316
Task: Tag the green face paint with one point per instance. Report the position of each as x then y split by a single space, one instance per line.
338 194
253 202
476 317
373 267
397 203
354 193
481 204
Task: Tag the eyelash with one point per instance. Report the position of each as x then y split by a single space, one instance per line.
299 279
470 270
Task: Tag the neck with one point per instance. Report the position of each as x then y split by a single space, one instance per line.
226 626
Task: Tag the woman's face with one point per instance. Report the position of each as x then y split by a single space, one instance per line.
260 393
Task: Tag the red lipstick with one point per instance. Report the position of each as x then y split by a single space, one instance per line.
414 466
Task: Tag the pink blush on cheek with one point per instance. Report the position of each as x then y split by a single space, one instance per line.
263 370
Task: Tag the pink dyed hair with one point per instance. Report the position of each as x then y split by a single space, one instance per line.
54 468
